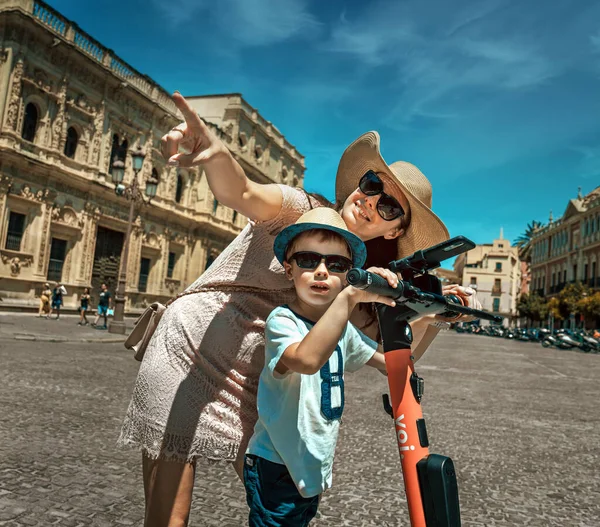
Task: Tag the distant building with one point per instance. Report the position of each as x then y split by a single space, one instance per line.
567 250
446 276
494 270
69 110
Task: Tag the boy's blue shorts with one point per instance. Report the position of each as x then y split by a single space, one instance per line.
272 496
102 310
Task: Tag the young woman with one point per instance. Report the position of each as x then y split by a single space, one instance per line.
84 306
45 301
195 394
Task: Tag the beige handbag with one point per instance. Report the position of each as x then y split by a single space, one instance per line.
145 326
143 329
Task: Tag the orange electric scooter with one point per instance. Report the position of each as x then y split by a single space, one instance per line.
429 479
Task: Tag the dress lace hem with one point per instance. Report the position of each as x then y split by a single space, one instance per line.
157 444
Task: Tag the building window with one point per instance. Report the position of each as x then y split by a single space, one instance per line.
71 143
234 217
58 250
30 122
574 272
473 280
179 190
16 228
501 246
498 286
144 273
498 266
171 266
118 152
565 276
215 206
496 305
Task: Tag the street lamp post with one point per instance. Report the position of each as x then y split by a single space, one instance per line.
134 195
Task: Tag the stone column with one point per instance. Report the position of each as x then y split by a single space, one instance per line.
43 249
5 185
14 100
5 63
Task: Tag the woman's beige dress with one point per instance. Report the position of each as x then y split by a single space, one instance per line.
181 410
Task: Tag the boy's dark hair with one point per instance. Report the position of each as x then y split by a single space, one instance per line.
324 235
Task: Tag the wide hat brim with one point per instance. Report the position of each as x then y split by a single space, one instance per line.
283 239
425 228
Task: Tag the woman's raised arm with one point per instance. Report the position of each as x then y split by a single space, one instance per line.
226 178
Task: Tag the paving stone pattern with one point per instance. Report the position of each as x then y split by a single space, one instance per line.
520 422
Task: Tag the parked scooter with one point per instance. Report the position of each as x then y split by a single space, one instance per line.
574 342
553 340
591 341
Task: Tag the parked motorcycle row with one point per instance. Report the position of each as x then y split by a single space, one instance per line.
560 338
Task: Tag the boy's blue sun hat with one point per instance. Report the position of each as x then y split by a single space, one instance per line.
326 219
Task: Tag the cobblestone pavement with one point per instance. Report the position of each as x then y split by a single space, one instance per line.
520 422
30 327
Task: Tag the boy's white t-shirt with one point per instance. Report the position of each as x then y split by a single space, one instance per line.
298 414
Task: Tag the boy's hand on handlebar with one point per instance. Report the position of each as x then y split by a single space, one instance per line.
362 296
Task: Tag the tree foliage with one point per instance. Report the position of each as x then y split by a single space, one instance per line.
523 242
532 307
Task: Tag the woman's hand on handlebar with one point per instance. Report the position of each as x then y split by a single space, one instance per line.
467 294
361 295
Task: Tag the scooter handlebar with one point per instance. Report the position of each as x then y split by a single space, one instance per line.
362 279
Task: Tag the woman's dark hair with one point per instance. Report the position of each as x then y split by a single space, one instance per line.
322 200
380 252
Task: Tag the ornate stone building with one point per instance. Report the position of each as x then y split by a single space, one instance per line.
69 109
494 270
568 249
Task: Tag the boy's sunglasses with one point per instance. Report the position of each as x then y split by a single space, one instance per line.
387 206
311 260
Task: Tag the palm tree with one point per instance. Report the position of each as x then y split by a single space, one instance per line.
523 242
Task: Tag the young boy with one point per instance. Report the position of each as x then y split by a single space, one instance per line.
309 345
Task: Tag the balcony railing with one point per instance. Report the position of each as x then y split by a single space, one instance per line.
13 241
496 290
55 268
71 32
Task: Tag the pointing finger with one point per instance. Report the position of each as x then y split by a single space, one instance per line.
189 114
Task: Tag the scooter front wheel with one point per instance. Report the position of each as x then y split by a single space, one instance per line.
545 343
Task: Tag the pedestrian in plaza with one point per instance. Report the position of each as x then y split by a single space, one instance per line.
195 394
309 345
84 305
104 303
45 301
57 298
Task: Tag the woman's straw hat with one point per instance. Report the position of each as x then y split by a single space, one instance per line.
326 219
425 228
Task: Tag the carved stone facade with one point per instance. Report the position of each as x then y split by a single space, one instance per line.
68 108
567 249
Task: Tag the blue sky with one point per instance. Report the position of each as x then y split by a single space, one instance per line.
497 102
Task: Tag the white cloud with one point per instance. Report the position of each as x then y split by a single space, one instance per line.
247 23
433 53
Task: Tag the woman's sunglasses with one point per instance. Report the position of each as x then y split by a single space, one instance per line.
387 206
311 260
